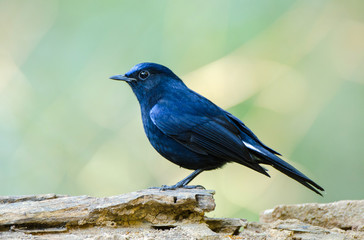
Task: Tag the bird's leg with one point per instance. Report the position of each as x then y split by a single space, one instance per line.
183 183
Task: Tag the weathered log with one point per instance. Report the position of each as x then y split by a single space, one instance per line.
345 215
178 214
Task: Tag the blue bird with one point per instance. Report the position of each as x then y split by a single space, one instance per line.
194 133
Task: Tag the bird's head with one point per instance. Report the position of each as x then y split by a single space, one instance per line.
146 77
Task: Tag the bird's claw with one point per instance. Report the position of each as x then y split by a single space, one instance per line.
194 187
174 187
165 187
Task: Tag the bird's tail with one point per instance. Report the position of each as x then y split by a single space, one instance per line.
290 171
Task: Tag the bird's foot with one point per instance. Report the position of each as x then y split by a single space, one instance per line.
194 187
165 187
174 187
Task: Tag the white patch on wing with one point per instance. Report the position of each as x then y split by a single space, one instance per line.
252 147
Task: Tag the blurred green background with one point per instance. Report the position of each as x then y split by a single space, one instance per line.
293 71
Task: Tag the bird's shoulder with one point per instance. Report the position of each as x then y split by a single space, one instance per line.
182 112
188 102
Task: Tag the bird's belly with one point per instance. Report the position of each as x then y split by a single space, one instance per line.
179 154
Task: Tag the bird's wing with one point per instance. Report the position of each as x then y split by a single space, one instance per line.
204 132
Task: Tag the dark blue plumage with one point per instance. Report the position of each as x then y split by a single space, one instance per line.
194 133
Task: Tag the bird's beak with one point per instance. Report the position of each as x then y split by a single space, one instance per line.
122 78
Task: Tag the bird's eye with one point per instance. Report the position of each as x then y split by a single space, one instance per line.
143 75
